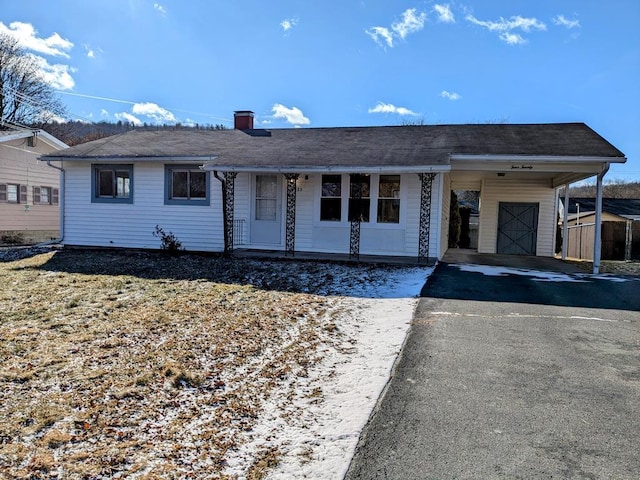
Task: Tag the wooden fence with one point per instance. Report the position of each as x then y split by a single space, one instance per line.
620 241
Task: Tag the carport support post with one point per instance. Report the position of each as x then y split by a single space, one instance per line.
597 242
565 223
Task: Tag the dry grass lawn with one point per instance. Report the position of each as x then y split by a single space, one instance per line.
133 365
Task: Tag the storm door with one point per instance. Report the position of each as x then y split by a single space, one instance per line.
266 215
517 228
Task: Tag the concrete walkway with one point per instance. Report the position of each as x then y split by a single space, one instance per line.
512 376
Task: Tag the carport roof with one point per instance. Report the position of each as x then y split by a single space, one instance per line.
392 147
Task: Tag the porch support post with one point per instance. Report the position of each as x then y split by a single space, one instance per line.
426 181
597 242
565 223
290 225
354 231
228 187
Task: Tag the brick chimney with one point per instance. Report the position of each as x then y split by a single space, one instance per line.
243 120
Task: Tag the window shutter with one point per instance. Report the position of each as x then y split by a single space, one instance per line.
23 194
36 195
3 193
55 196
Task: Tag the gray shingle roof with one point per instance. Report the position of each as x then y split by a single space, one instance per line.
401 146
616 206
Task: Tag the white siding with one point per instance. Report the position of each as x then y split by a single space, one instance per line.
375 239
304 211
199 228
517 190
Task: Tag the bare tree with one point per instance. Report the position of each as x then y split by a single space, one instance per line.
25 97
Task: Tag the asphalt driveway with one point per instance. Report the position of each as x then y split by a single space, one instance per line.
512 374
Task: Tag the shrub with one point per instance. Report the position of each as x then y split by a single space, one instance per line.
168 241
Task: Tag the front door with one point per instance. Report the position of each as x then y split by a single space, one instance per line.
517 228
266 217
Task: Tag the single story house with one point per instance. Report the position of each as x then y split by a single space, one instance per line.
381 191
29 189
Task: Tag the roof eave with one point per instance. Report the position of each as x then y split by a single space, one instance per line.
329 168
536 158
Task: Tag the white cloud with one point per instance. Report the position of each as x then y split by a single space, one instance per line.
154 111
450 95
58 76
292 115
27 37
505 27
445 15
411 22
512 38
288 23
104 113
380 33
127 117
382 107
560 20
160 8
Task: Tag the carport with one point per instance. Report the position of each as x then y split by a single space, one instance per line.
518 207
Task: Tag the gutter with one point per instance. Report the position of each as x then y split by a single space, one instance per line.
61 206
324 169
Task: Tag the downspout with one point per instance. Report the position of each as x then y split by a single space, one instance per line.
597 242
225 227
61 195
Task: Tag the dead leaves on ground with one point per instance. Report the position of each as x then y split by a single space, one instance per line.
110 375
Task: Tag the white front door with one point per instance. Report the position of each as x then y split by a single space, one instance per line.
266 215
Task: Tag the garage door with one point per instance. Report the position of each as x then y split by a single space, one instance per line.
517 228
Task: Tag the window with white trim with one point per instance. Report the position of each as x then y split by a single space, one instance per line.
359 197
331 198
389 199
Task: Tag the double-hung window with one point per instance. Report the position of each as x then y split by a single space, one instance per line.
186 185
331 198
359 198
389 199
112 184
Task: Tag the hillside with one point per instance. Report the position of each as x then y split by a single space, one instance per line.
74 133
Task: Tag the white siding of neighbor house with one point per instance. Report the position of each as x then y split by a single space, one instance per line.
446 207
19 164
199 228
499 190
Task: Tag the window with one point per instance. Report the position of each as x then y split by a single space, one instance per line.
266 197
12 193
112 184
331 198
186 185
42 195
359 198
389 199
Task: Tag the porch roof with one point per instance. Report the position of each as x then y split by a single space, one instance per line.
402 148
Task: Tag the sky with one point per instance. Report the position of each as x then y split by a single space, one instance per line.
329 63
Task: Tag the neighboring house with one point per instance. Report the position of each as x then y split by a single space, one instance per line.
29 189
620 227
352 191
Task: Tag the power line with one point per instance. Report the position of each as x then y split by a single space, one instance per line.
129 102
